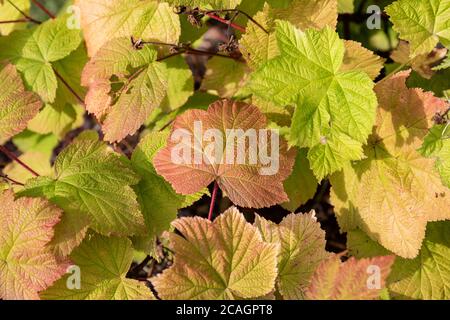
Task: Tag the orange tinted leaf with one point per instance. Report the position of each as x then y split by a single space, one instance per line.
351 280
27 265
302 249
224 259
125 85
244 183
405 189
17 106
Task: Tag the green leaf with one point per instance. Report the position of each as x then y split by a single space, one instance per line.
423 23
92 181
335 109
224 77
103 263
302 249
33 51
27 265
346 6
40 163
180 84
224 259
301 185
437 145
17 106
31 141
65 113
57 119
159 202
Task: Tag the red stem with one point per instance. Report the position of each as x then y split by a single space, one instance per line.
23 13
15 21
40 6
11 180
213 200
235 26
80 100
11 155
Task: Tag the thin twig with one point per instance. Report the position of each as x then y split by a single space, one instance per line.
80 100
181 49
225 21
15 21
245 14
43 8
390 75
208 53
13 157
213 200
5 176
169 56
24 14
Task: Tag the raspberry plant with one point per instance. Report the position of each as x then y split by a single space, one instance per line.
94 91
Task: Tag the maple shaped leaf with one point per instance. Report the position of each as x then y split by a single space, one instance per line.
103 264
437 146
423 23
352 280
17 106
65 113
27 265
224 259
405 190
125 85
104 20
425 277
34 51
335 108
91 181
258 45
159 202
302 249
248 179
